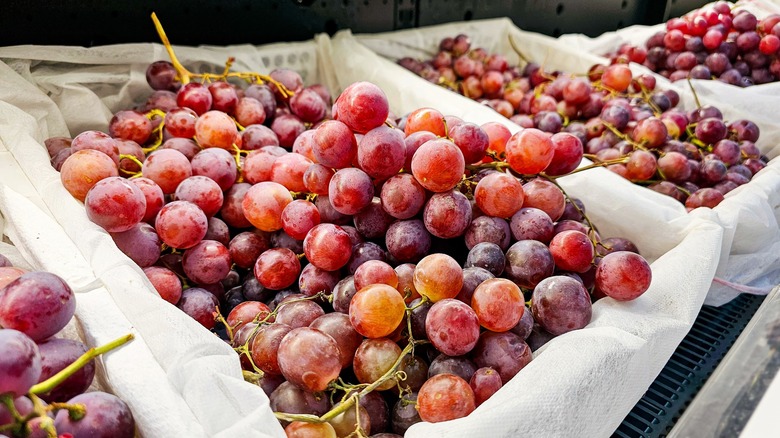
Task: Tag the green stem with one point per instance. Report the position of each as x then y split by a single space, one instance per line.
341 408
52 382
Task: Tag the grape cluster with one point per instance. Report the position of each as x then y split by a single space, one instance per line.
39 397
714 42
399 265
623 121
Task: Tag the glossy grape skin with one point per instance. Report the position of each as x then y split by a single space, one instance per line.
373 358
334 144
130 125
287 128
623 275
207 262
317 178
83 169
372 221
447 215
404 413
438 165
258 163
194 96
472 141
327 246
350 190
302 429
298 217
529 151
488 256
141 243
161 75
314 280
364 251
338 326
438 276
498 304
499 194
528 262
39 304
201 191
264 346
705 197
56 354
115 204
348 421
487 229
106 416
343 293
375 272
572 251
376 310
200 304
98 141
296 312
291 399
167 168
362 106
309 358
20 362
445 397
288 171
402 196
485 382
544 195
460 366
381 152
277 268
452 327
532 224
181 224
504 352
425 119
561 304
264 203
408 241
165 282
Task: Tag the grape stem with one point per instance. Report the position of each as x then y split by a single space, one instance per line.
621 160
75 411
351 400
695 96
743 288
52 382
185 76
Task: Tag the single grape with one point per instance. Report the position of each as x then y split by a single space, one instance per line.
277 268
83 169
39 304
106 416
309 358
20 362
623 275
141 243
327 246
374 358
438 165
445 397
362 106
165 282
452 327
528 262
498 304
561 304
376 310
438 276
504 352
181 224
199 304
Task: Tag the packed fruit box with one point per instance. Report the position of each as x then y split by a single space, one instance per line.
748 215
352 265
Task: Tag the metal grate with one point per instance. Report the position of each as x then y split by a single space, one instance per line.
712 335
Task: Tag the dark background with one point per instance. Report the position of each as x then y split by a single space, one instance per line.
193 22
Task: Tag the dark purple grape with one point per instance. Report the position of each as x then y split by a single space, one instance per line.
57 354
106 416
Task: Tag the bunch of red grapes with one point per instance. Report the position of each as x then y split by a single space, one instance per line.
715 42
623 121
373 271
35 401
